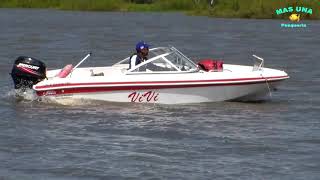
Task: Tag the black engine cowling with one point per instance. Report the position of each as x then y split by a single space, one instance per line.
27 71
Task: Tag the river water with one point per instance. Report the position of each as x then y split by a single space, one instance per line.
274 139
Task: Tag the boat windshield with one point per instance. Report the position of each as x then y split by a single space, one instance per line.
180 61
164 59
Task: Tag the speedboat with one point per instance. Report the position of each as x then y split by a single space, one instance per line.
167 77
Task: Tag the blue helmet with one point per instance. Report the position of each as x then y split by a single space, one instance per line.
141 45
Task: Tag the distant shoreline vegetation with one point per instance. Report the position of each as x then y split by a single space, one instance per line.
266 9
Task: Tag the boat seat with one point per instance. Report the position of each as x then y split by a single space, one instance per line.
211 65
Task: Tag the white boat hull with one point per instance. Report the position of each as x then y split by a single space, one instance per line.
183 95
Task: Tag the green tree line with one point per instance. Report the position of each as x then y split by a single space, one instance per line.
215 8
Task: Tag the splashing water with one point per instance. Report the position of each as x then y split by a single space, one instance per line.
20 95
30 95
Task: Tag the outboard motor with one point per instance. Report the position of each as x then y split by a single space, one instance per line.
27 71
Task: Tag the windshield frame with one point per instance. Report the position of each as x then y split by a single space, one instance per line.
166 51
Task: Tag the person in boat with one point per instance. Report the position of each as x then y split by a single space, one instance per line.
141 55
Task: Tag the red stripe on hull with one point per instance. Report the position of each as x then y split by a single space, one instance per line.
133 88
160 82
